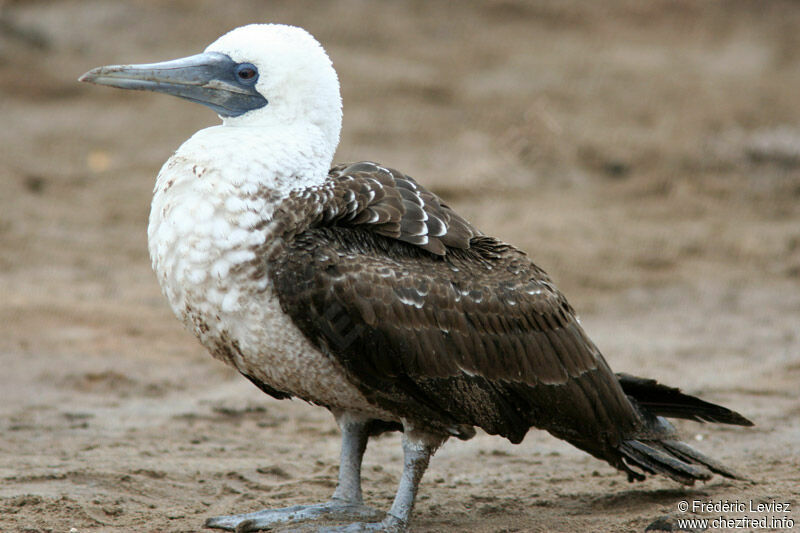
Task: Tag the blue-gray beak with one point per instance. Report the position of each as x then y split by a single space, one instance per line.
211 78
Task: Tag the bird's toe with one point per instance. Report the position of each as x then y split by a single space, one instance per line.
390 524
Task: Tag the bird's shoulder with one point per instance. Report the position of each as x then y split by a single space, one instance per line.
381 200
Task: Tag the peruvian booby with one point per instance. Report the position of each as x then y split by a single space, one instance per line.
359 290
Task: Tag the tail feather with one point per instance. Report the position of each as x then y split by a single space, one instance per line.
654 458
662 400
688 454
654 449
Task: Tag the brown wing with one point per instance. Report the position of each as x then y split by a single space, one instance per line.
471 335
384 200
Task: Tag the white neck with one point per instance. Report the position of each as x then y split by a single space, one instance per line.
273 159
210 199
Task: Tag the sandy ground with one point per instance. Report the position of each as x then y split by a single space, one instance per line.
646 154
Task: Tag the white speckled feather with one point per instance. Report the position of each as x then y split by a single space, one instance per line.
211 202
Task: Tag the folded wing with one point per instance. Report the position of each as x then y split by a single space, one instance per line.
434 321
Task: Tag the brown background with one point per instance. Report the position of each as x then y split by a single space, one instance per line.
646 154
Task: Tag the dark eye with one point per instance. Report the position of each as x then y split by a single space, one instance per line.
246 72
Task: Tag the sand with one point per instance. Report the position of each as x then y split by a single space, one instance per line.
647 155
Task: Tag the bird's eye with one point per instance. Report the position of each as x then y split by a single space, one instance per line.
246 72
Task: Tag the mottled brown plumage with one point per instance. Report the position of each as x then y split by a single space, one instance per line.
449 328
387 202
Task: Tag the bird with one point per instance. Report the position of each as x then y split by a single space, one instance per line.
357 289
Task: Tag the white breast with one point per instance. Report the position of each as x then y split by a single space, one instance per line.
202 234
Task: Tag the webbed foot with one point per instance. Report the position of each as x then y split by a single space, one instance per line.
390 524
266 519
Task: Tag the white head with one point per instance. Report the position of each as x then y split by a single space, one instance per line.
295 76
260 75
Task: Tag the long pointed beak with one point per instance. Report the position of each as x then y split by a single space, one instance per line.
208 78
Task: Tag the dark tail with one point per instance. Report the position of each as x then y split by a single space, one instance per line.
661 400
656 449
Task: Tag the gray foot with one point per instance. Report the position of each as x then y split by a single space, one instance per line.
334 511
390 524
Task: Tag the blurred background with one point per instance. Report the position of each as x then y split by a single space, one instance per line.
645 154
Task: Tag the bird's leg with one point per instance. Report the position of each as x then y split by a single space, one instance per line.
346 503
418 447
354 443
417 452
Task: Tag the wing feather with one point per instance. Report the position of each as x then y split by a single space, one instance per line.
434 321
